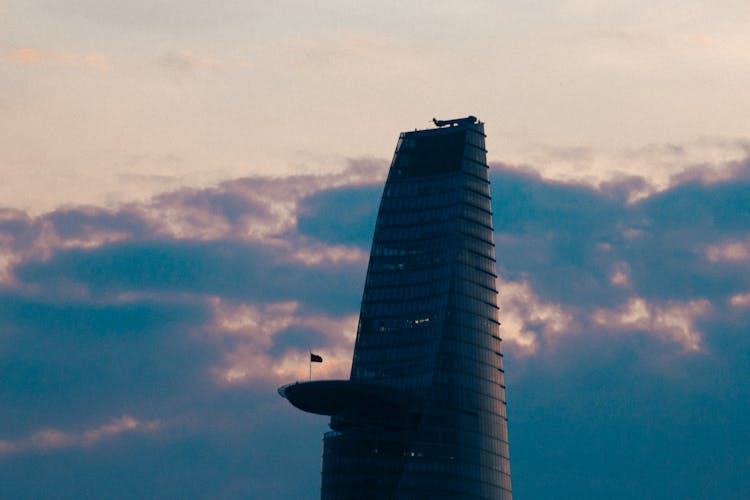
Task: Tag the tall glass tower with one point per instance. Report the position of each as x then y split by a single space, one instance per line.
423 412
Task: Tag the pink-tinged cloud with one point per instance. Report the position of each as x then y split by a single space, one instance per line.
50 439
32 57
620 275
527 321
741 300
249 210
316 254
181 62
729 251
196 305
675 321
262 350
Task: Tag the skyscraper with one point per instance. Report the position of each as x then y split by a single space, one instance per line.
423 412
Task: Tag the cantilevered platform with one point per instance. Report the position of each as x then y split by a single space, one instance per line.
348 399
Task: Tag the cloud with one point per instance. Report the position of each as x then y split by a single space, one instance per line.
241 271
676 321
642 171
72 359
182 63
527 321
33 57
740 300
131 309
55 439
733 251
578 239
615 313
271 343
622 318
341 215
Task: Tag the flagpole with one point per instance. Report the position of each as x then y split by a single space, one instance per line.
310 379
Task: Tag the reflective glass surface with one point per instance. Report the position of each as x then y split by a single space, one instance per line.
429 326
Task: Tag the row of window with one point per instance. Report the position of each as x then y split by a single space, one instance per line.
412 256
478 246
421 457
486 390
474 321
477 261
435 214
389 302
494 428
416 361
419 357
488 455
409 269
381 271
398 198
408 292
400 367
469 207
410 195
402 330
403 160
473 290
402 157
485 278
480 293
390 307
455 366
405 141
476 154
429 239
478 451
486 427
476 353
473 144
449 394
392 202
395 203
473 184
474 430
472 213
476 199
443 473
475 138
380 347
397 328
469 394
476 230
424 187
464 304
481 338
439 443
472 167
415 263
409 377
432 236
379 250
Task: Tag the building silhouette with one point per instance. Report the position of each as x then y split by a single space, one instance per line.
423 412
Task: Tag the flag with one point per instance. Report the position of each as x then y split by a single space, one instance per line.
314 358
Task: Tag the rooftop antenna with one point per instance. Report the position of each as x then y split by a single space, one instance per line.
469 120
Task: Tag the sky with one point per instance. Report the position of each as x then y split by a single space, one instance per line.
188 197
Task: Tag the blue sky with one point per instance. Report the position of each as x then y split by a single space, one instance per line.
188 198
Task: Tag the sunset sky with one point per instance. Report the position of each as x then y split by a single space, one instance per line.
188 196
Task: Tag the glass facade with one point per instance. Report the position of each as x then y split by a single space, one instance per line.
429 332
